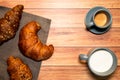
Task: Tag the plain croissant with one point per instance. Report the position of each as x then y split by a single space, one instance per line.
30 44
18 70
9 24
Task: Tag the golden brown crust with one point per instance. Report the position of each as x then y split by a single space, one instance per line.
9 23
31 46
18 70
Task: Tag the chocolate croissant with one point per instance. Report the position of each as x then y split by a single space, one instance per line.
9 23
18 70
30 44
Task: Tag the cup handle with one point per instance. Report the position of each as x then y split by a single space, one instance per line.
90 25
83 57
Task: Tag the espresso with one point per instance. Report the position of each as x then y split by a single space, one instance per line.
100 19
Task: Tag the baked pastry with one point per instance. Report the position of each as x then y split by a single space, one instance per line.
18 70
9 23
30 44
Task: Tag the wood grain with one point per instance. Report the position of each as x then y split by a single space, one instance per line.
69 56
70 37
72 17
83 38
62 3
72 73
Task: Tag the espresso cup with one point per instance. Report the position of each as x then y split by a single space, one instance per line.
101 62
101 19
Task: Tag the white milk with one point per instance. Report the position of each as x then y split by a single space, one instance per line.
101 61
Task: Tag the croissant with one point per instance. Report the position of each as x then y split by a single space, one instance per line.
30 44
9 23
18 70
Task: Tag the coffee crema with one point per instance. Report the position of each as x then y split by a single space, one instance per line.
100 19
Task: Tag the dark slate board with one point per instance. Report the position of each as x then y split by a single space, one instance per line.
11 47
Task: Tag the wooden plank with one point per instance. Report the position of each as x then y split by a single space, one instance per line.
69 56
83 38
70 17
61 3
72 73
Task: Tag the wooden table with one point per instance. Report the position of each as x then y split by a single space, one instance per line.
69 36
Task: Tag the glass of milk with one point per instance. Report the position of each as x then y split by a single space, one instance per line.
101 61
